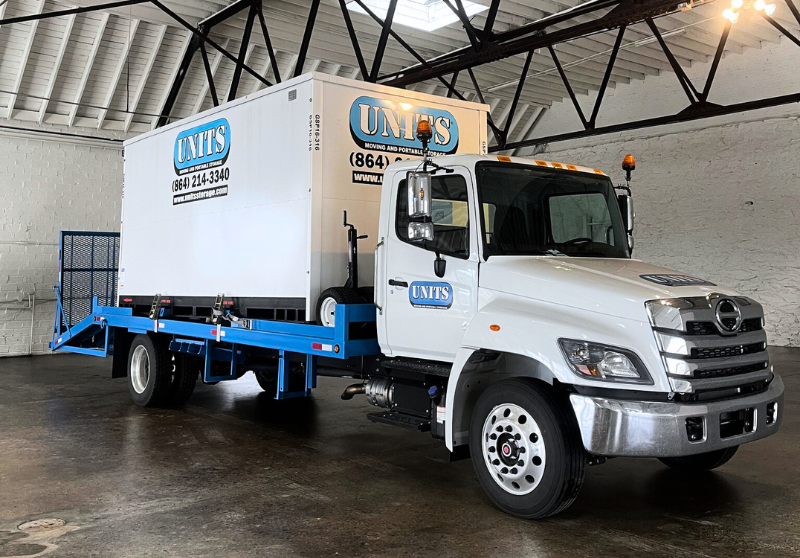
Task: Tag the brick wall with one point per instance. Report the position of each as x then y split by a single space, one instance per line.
718 198
47 184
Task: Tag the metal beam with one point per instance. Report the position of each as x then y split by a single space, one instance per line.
73 112
461 14
780 28
205 40
532 36
26 54
601 93
453 85
387 26
71 11
243 53
172 78
145 75
715 64
686 83
514 103
490 17
312 18
567 85
225 13
177 81
268 43
231 93
211 70
112 87
354 39
687 115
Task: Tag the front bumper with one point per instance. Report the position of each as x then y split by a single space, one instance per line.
614 427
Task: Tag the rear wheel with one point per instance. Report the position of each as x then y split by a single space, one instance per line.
149 371
184 378
267 380
330 299
526 449
701 461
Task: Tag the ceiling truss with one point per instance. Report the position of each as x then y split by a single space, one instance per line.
550 58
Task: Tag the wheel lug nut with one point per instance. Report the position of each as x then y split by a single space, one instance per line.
508 429
520 463
514 471
517 436
504 470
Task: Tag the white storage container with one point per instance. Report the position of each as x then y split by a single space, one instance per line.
246 199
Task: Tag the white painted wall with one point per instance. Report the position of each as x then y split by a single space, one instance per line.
719 198
47 183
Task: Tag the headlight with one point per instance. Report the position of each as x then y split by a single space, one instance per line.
603 362
665 313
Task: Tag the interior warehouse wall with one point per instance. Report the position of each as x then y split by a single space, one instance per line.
716 198
47 184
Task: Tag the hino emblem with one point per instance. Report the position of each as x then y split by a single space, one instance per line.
728 314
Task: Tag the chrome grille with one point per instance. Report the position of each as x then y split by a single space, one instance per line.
701 356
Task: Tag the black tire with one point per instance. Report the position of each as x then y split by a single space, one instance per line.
701 461
339 295
267 380
149 388
184 378
547 423
367 295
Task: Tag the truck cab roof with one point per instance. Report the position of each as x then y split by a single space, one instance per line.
472 160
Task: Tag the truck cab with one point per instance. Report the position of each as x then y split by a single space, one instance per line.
515 277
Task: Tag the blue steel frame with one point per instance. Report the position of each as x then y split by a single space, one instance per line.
308 341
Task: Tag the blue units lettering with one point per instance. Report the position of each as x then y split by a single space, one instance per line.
203 147
430 295
382 125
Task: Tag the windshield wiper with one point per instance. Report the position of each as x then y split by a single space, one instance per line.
555 253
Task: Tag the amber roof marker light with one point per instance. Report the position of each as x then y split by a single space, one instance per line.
628 165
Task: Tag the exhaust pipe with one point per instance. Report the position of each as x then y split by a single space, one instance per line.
352 390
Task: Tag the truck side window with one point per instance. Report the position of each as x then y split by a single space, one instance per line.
449 213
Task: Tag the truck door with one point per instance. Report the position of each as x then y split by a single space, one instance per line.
426 315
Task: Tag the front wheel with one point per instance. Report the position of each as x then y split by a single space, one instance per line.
700 462
526 449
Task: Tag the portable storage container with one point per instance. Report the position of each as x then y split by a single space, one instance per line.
245 200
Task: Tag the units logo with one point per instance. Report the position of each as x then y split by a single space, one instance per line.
203 147
382 125
426 294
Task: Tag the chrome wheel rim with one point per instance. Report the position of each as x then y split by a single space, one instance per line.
140 369
327 312
513 449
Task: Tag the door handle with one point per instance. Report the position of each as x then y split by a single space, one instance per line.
395 283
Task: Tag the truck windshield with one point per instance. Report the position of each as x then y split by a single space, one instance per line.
544 211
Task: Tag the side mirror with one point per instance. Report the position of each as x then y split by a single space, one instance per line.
419 194
626 208
439 266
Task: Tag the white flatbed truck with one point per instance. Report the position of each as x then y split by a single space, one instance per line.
500 309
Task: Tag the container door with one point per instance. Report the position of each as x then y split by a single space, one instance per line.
426 316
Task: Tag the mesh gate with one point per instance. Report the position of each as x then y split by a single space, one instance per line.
88 264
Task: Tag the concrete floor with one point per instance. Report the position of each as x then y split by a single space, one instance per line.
235 473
